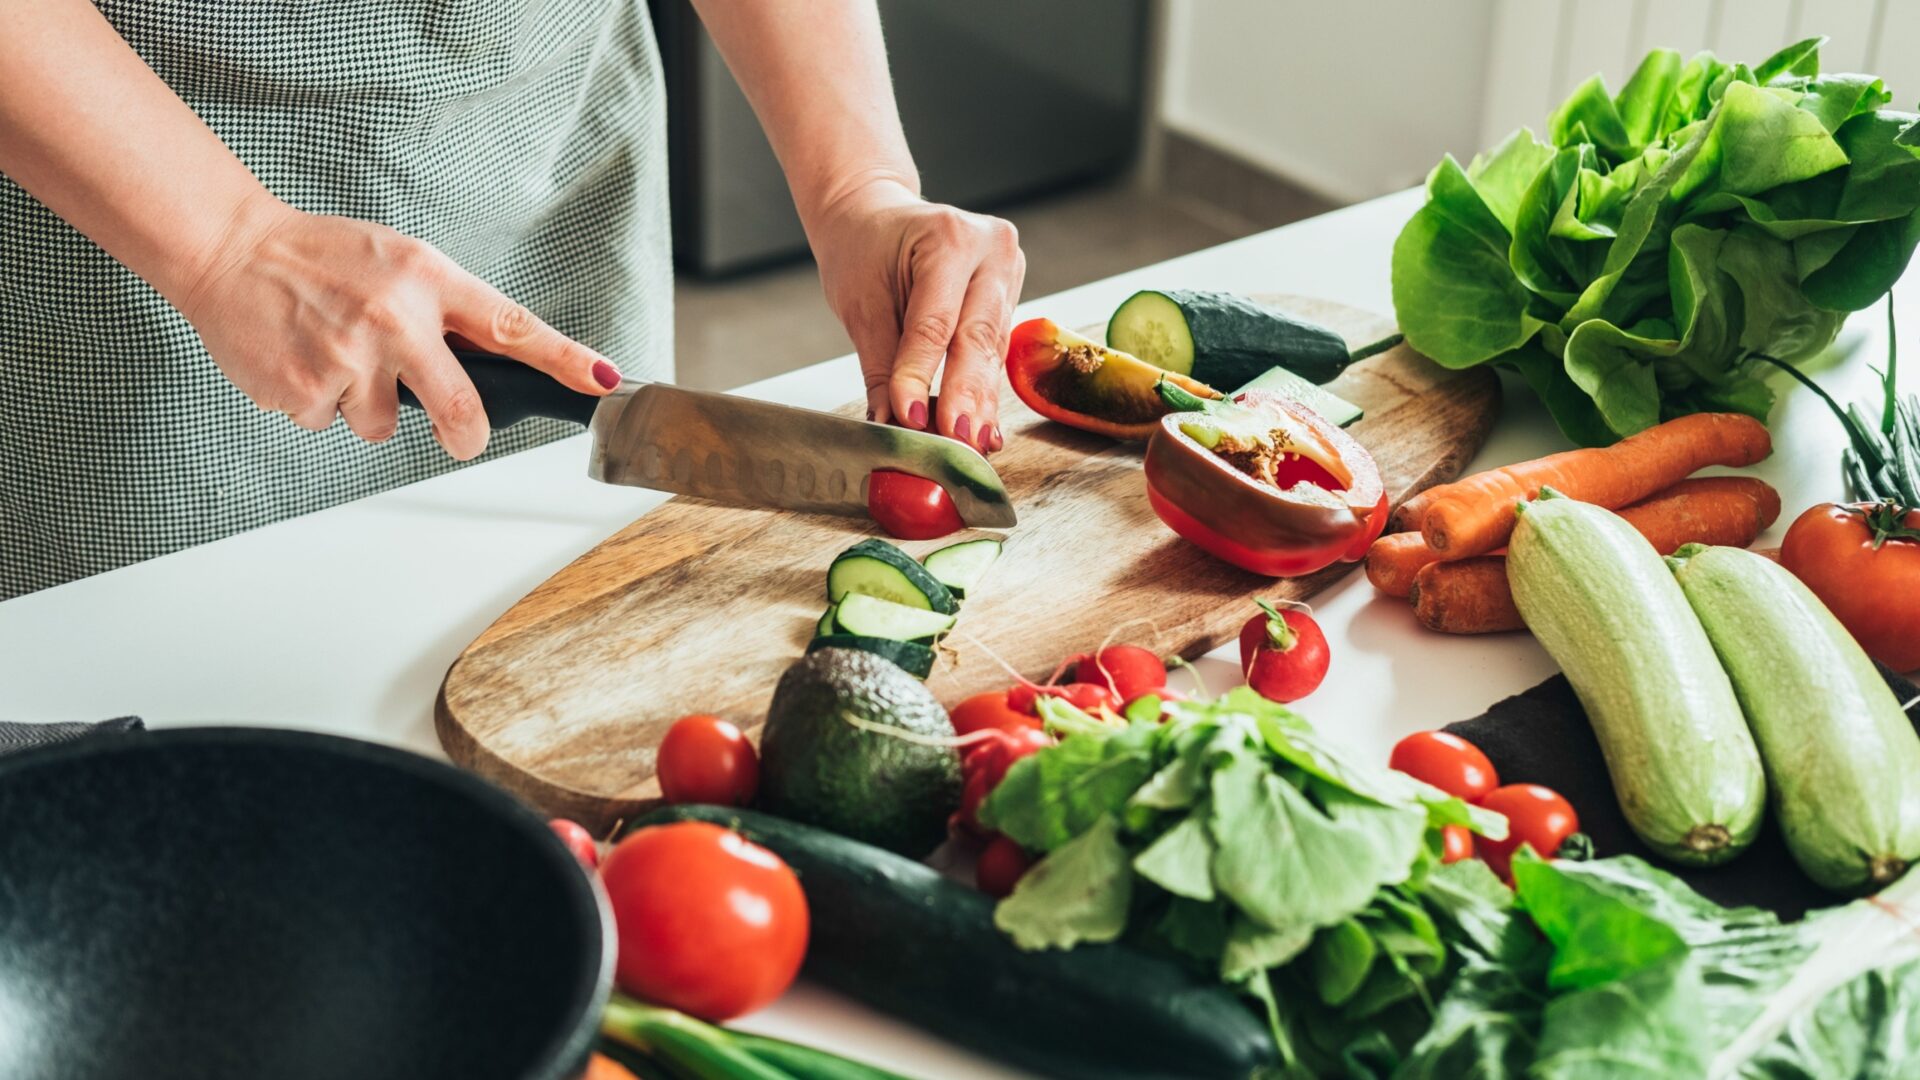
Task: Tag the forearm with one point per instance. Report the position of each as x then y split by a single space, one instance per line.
815 72
88 129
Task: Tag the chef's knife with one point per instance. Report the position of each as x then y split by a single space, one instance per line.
736 450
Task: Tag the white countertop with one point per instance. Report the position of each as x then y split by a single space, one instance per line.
345 620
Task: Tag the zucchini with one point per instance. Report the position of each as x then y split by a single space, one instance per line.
896 935
961 566
1338 410
910 656
877 568
1842 760
825 625
870 616
1226 340
1604 605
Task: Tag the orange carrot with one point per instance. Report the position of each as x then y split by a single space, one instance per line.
1470 596
1475 515
1410 514
1394 560
602 1067
1465 596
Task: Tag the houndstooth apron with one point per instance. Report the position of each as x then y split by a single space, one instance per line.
524 138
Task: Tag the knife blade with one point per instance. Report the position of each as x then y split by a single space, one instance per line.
737 450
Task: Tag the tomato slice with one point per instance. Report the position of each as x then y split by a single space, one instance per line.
910 507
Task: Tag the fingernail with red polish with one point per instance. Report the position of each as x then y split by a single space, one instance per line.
606 374
993 436
963 429
917 415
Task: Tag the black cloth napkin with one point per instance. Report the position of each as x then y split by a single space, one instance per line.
1541 736
27 736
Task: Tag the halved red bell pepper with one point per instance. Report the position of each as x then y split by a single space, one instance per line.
1318 497
1079 382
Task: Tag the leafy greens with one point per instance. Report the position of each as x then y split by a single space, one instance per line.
1631 265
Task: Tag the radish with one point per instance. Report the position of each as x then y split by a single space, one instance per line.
1088 697
1127 670
1283 653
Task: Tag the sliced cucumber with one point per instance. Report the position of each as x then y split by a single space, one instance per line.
1222 339
870 616
1338 410
825 626
878 569
909 656
961 566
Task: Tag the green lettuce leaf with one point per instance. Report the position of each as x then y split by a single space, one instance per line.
1078 893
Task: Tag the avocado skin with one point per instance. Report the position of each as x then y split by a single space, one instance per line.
818 769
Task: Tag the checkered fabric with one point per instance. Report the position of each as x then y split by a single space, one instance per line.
524 138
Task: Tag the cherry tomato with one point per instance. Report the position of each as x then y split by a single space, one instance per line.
1127 670
705 759
990 710
1001 864
1456 843
578 840
1283 653
1087 697
1536 816
910 507
985 765
708 922
1831 549
1446 761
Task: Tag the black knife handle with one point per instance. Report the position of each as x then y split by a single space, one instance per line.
511 391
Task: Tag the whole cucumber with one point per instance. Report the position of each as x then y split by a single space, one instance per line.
896 935
1842 760
1603 604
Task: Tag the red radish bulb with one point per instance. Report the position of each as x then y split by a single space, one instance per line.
578 840
1000 867
1127 670
1282 653
991 710
985 765
1087 697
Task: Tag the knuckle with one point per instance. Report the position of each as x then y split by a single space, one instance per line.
981 337
1003 235
460 408
932 331
513 323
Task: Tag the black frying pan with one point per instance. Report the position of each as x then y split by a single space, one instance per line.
270 905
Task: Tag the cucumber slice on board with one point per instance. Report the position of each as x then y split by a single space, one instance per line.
961 566
1338 410
878 569
825 626
1222 339
870 616
909 656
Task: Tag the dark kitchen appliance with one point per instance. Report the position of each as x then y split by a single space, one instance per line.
999 98
228 903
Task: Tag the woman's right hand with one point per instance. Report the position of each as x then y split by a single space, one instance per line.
318 316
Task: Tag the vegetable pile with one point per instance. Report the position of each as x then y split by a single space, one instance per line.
1631 265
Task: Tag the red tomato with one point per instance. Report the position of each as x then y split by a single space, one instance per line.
1283 653
705 759
910 507
1536 816
990 710
578 840
1087 697
708 923
1001 864
985 765
1448 762
1831 549
1456 843
1127 670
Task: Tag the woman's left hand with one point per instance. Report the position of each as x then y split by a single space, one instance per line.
916 283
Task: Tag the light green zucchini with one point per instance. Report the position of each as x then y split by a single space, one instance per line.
1842 761
1603 604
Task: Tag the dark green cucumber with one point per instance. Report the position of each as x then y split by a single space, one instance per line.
825 625
910 656
1226 340
896 935
877 568
961 566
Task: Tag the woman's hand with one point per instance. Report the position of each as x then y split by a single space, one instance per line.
916 283
319 316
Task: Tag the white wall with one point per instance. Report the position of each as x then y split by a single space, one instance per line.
1352 98
1355 98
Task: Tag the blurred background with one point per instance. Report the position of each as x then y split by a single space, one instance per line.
1118 133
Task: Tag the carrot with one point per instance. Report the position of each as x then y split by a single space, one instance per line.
602 1067
1475 515
1394 560
1470 596
1410 514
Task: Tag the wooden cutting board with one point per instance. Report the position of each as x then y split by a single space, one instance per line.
699 608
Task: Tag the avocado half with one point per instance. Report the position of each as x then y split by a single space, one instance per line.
818 768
